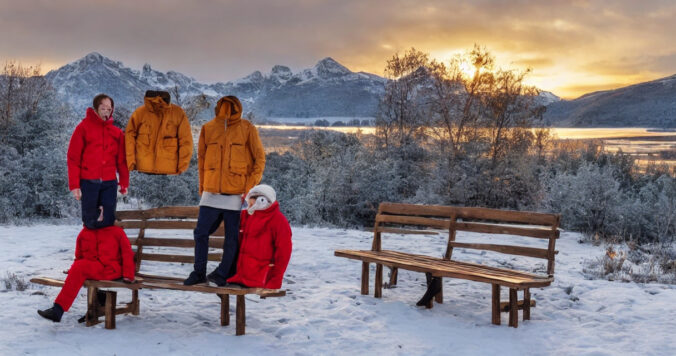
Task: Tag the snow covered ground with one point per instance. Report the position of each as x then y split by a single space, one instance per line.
324 314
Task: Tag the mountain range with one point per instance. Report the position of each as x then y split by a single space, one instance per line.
330 89
326 89
648 104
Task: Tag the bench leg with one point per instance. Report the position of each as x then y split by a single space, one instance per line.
135 310
225 309
365 278
526 304
111 303
439 298
240 317
513 308
378 285
496 304
394 271
92 315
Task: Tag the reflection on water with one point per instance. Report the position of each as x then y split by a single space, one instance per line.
645 144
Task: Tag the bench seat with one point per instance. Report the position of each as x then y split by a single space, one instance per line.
444 268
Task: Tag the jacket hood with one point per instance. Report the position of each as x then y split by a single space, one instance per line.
229 107
93 116
155 104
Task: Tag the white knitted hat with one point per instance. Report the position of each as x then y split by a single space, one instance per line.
265 197
264 190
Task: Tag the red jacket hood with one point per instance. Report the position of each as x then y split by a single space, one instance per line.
94 117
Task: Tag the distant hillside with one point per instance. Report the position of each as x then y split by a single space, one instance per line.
649 104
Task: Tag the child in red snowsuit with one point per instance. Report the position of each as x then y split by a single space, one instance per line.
101 254
265 241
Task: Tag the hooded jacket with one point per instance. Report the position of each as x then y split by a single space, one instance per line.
230 155
96 151
158 138
264 248
110 246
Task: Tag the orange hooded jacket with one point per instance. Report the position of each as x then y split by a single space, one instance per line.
230 155
158 138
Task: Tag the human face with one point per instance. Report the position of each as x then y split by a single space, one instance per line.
105 109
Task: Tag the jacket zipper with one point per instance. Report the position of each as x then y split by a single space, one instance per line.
103 149
157 140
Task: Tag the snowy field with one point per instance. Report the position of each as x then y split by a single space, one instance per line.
324 314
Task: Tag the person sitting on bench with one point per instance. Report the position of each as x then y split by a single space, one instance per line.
101 254
265 241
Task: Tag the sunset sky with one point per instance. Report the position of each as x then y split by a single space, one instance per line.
573 47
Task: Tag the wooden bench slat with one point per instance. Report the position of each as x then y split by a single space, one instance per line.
404 231
232 290
129 215
504 229
173 212
413 220
48 281
513 250
414 209
158 257
525 217
214 242
158 224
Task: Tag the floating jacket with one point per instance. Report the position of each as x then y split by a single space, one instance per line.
110 246
264 248
96 151
158 138
231 158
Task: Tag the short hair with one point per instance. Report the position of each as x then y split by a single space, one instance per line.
99 98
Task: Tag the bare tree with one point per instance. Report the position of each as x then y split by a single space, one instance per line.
400 118
456 95
21 89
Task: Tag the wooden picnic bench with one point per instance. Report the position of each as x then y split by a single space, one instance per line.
150 247
435 219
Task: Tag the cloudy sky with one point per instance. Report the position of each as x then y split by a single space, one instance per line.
573 47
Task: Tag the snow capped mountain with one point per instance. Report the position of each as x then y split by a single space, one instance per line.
326 89
546 97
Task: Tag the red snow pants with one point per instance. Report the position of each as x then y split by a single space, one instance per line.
80 271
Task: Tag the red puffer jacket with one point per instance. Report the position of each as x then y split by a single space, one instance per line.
264 248
96 151
110 246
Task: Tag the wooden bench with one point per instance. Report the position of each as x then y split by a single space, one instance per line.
497 224
164 240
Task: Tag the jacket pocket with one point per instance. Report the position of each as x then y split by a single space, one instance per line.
238 159
211 179
253 270
143 139
170 147
212 156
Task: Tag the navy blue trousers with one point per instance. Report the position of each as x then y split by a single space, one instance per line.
97 193
208 221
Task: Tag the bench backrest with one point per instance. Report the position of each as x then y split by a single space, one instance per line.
430 219
166 229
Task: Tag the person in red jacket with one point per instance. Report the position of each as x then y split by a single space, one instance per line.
103 254
96 154
265 241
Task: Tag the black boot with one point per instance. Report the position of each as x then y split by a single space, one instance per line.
217 279
54 313
433 288
194 278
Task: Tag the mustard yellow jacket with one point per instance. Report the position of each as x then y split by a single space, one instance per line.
230 155
158 138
